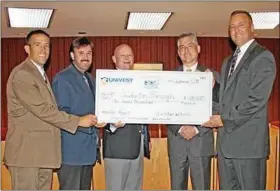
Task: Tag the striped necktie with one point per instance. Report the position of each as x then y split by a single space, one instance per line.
86 81
233 62
45 78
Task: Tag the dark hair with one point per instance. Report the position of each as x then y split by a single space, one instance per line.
34 32
190 34
242 12
78 42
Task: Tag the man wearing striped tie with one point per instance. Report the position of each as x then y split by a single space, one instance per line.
246 82
191 146
74 90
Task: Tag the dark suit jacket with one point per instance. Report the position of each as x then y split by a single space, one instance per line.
34 122
74 96
203 143
124 143
243 104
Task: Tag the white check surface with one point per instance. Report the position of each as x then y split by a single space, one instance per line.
153 97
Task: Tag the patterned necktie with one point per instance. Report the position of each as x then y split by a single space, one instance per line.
45 78
86 81
188 70
233 62
47 83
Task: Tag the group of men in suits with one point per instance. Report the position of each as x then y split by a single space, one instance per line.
240 101
37 114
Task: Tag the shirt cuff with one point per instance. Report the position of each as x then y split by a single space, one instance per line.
113 128
196 130
180 129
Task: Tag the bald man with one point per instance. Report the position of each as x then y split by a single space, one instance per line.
123 144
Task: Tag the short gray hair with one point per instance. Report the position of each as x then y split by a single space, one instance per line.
190 34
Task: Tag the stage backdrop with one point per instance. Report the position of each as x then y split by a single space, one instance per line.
146 49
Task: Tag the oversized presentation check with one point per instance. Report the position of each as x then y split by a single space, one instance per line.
153 97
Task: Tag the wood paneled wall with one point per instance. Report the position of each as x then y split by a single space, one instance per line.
146 49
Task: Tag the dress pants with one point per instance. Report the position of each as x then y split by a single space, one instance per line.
242 174
75 177
30 178
125 174
200 169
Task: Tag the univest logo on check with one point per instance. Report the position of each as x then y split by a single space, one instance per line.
106 80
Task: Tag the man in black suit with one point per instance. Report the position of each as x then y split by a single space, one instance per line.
191 146
246 82
123 144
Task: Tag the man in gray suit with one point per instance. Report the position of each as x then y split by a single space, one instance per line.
246 82
123 144
190 146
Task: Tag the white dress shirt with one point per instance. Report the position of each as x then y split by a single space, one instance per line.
243 49
40 68
192 68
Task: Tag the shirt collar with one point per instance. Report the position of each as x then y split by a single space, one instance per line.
40 68
245 46
121 69
193 67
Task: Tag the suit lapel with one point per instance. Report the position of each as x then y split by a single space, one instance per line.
180 68
201 68
50 88
91 85
227 71
246 57
35 71
38 75
79 78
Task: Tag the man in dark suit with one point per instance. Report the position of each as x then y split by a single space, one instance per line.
33 145
74 90
191 146
123 144
246 82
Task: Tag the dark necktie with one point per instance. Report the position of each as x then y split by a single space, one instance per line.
146 140
233 62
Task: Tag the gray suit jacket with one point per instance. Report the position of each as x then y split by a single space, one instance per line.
243 104
203 143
